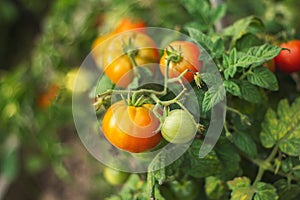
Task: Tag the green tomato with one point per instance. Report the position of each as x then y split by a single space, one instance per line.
186 189
178 127
115 177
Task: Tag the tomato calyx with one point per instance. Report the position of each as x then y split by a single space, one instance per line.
174 55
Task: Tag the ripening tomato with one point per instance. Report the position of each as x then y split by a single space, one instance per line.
129 24
186 56
98 48
178 127
131 128
46 98
117 64
289 61
115 177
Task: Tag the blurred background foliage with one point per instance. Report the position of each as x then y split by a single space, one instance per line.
42 44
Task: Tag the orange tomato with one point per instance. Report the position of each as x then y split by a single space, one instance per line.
128 24
131 128
46 98
117 65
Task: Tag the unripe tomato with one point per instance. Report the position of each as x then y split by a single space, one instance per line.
117 65
131 128
289 61
178 127
188 58
114 177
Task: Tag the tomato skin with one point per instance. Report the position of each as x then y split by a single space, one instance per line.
128 24
131 128
114 177
178 127
117 65
46 98
190 60
289 61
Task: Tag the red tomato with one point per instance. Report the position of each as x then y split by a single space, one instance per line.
131 128
289 61
188 58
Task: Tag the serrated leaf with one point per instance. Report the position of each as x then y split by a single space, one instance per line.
241 189
245 143
268 132
213 96
214 187
249 92
232 88
200 37
229 159
265 191
263 77
243 26
283 128
201 167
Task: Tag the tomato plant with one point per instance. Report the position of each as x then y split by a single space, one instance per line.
288 60
139 50
114 177
46 98
178 127
131 128
182 56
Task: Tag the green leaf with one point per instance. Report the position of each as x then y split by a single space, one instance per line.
283 128
248 91
287 191
214 188
232 88
247 41
218 12
215 48
263 77
104 84
213 96
264 52
245 143
265 191
201 167
241 189
243 26
228 157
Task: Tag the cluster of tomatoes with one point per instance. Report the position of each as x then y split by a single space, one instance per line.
136 125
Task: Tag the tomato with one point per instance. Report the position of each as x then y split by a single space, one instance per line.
289 61
131 128
117 65
114 177
187 58
270 65
98 48
46 98
178 127
186 189
128 24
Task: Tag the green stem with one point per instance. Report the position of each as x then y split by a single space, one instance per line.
259 175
